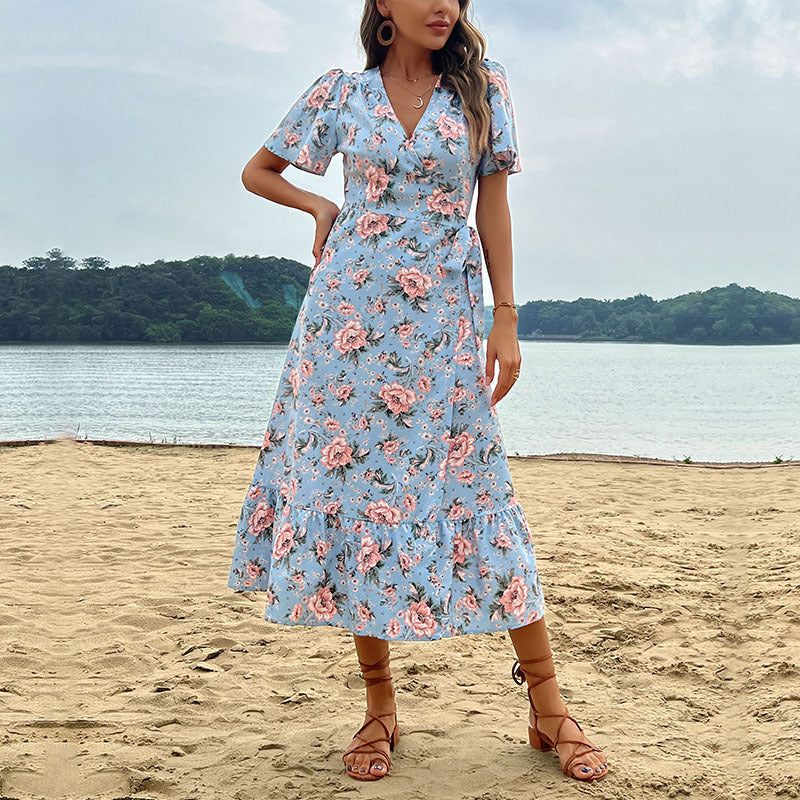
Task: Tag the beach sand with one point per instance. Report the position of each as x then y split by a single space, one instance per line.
129 669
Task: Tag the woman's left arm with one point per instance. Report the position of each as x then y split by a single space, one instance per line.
493 221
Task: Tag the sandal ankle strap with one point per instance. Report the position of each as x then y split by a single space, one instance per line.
381 663
519 673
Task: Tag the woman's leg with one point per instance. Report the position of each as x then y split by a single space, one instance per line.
531 641
380 701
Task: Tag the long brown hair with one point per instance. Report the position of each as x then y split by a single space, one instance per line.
458 62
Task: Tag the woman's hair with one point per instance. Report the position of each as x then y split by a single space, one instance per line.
459 63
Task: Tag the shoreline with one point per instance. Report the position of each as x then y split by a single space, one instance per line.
590 457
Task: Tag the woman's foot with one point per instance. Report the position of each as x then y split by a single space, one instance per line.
367 757
591 763
365 765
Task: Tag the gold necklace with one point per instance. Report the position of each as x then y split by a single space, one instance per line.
419 97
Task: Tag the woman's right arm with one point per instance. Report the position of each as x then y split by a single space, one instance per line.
262 176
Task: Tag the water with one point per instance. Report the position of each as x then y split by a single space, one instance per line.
735 403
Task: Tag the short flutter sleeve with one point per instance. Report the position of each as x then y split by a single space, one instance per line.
503 150
307 135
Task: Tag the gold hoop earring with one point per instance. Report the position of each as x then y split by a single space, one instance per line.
392 28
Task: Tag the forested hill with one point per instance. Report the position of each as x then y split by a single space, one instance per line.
722 315
254 299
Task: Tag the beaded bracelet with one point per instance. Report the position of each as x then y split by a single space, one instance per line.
497 305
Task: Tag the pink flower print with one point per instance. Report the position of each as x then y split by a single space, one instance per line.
377 181
364 614
371 224
440 202
419 618
435 413
465 476
499 80
390 446
320 94
297 612
253 570
450 128
294 380
359 526
299 579
429 163
336 454
464 331
424 383
470 602
456 512
321 604
332 507
304 159
369 554
462 547
404 331
405 562
254 492
461 446
344 391
269 597
397 398
306 367
333 283
483 571
350 337
513 598
502 540
267 441
384 110
332 424
360 276
414 282
284 541
393 628
262 517
465 358
378 307
381 512
345 309
389 593
410 502
322 549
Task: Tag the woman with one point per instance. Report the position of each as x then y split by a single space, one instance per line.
382 501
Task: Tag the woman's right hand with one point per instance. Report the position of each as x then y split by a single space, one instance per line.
324 215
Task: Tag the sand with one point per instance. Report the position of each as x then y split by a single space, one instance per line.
129 669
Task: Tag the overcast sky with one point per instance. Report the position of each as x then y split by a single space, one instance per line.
658 138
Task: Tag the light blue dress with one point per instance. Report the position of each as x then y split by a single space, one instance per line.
382 501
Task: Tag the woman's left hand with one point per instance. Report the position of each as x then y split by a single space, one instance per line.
502 344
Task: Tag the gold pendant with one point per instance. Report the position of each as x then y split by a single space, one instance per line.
419 102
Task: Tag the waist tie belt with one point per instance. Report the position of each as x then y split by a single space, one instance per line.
462 254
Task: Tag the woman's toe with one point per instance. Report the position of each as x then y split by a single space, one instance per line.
378 768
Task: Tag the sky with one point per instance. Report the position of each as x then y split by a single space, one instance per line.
658 138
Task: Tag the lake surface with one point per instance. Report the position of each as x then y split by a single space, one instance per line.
734 403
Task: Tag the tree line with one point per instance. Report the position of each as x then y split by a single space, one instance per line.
55 298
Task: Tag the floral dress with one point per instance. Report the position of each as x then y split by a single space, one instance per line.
382 501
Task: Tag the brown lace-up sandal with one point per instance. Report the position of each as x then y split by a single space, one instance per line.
369 746
540 740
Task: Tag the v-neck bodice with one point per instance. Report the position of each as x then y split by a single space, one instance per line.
435 89
430 175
